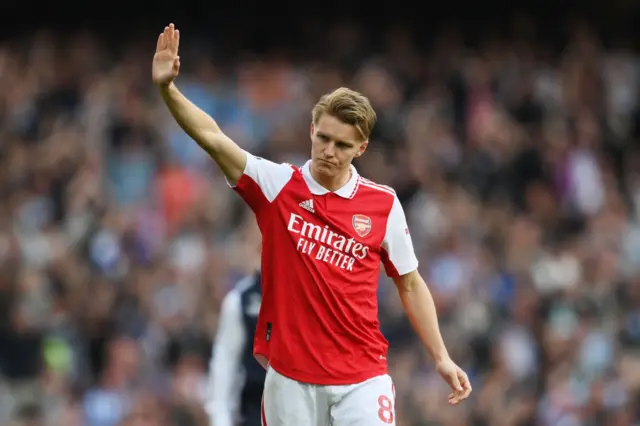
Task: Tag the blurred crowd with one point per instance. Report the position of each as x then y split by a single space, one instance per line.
518 165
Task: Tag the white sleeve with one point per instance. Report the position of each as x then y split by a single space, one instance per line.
225 363
264 176
399 257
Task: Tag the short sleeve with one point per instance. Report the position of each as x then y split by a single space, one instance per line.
262 181
398 255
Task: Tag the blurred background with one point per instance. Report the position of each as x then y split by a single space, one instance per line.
511 136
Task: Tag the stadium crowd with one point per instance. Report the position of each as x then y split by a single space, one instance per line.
518 166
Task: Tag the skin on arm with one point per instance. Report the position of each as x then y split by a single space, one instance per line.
196 123
420 308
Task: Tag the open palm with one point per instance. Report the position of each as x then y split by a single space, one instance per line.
166 62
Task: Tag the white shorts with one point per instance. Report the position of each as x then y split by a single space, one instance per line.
287 402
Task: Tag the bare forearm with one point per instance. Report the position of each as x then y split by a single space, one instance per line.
421 310
205 131
195 122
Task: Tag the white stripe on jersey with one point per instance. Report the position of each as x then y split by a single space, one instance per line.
373 185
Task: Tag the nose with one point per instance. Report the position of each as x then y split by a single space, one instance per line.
330 150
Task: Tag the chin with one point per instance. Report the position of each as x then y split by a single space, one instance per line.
324 167
327 169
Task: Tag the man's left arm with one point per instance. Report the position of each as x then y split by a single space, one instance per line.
401 265
421 310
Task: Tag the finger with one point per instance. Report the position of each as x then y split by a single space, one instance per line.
176 41
463 392
464 380
454 382
173 41
167 36
160 42
466 384
456 398
459 397
466 393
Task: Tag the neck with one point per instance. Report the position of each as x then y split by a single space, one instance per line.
331 183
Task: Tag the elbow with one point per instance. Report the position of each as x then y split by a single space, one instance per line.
209 139
405 290
409 283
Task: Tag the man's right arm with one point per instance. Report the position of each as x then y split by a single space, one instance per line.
203 129
264 179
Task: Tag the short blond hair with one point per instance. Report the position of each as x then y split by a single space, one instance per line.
348 106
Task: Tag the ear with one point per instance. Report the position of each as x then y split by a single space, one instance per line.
362 148
312 129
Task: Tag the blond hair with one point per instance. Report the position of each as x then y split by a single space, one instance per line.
348 106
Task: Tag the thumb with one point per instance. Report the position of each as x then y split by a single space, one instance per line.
176 62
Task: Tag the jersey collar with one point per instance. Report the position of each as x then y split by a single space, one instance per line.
346 191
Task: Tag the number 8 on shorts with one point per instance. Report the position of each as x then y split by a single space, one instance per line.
385 409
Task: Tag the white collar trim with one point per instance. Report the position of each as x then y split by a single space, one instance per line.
346 191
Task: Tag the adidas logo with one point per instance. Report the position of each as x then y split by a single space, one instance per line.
308 205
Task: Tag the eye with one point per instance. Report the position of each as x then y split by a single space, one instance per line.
342 145
324 138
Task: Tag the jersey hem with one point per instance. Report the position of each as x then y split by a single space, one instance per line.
328 380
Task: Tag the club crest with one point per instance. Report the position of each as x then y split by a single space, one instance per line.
361 224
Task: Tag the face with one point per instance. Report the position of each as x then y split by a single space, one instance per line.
334 145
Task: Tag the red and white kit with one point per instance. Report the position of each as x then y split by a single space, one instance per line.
318 325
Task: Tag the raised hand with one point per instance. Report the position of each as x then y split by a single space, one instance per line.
456 379
166 62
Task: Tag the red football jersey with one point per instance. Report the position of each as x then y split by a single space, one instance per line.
321 256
